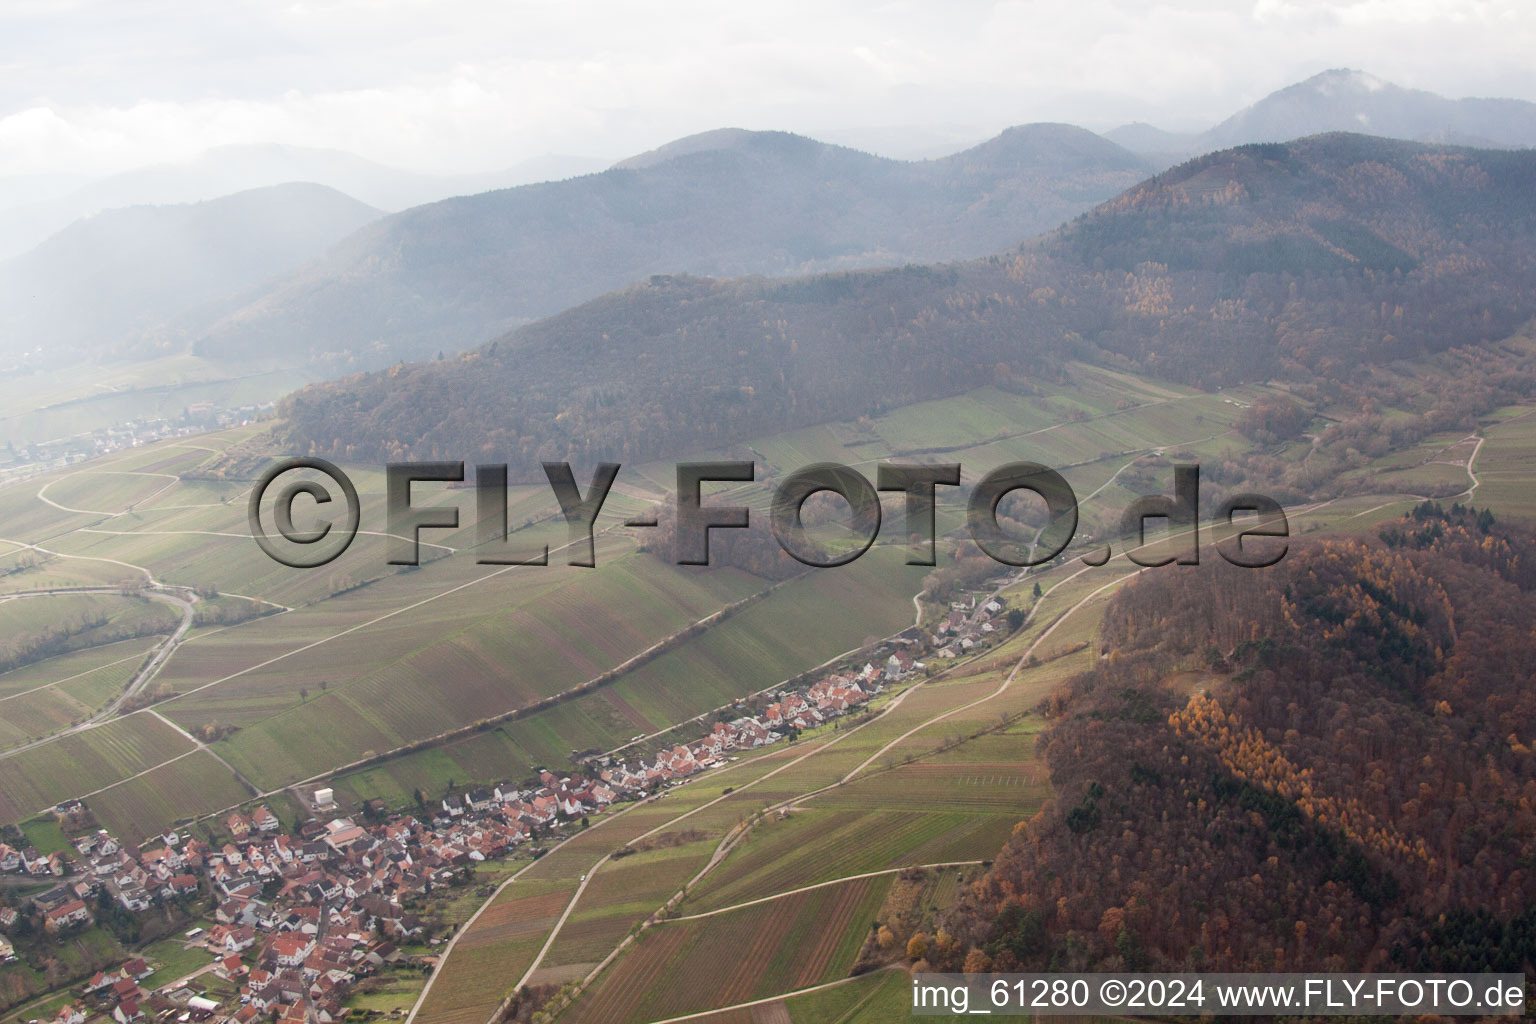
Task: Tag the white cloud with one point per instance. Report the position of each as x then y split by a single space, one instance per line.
102 85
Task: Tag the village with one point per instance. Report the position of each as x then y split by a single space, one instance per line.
292 921
23 461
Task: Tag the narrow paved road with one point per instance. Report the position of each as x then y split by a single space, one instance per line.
1007 681
161 655
156 592
250 787
823 885
464 928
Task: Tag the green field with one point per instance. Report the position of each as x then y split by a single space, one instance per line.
459 673
1506 467
394 993
172 959
82 763
46 696
174 792
791 943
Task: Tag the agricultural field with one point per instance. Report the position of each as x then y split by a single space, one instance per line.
956 805
390 994
176 791
780 636
831 840
385 680
172 958
625 891
1506 466
786 944
499 950
46 696
83 763
788 768
23 569
80 619
970 796
334 678
484 963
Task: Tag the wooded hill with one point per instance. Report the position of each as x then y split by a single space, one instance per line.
454 274
1324 765
1307 261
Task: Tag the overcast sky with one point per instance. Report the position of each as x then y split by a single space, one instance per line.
96 86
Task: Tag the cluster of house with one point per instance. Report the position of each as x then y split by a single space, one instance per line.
292 974
301 917
790 710
28 861
965 626
197 418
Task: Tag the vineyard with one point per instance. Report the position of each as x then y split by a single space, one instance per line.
779 946
183 788
80 763
46 696
491 956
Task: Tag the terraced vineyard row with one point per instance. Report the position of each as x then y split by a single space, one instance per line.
789 943
80 763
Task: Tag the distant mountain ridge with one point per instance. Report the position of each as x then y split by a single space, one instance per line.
1346 100
1353 101
728 203
1310 260
225 170
95 284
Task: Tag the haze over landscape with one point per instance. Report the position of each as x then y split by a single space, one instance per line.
1289 247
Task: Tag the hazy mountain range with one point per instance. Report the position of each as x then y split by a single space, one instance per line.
1344 100
34 207
733 202
728 203
308 277
107 277
1310 260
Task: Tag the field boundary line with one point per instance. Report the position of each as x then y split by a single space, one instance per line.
78 675
1007 681
823 885
771 999
200 745
491 899
124 782
105 472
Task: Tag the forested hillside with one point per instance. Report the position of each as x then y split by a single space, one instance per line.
1309 261
457 273
1323 765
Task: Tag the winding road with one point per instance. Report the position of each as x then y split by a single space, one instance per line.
157 660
